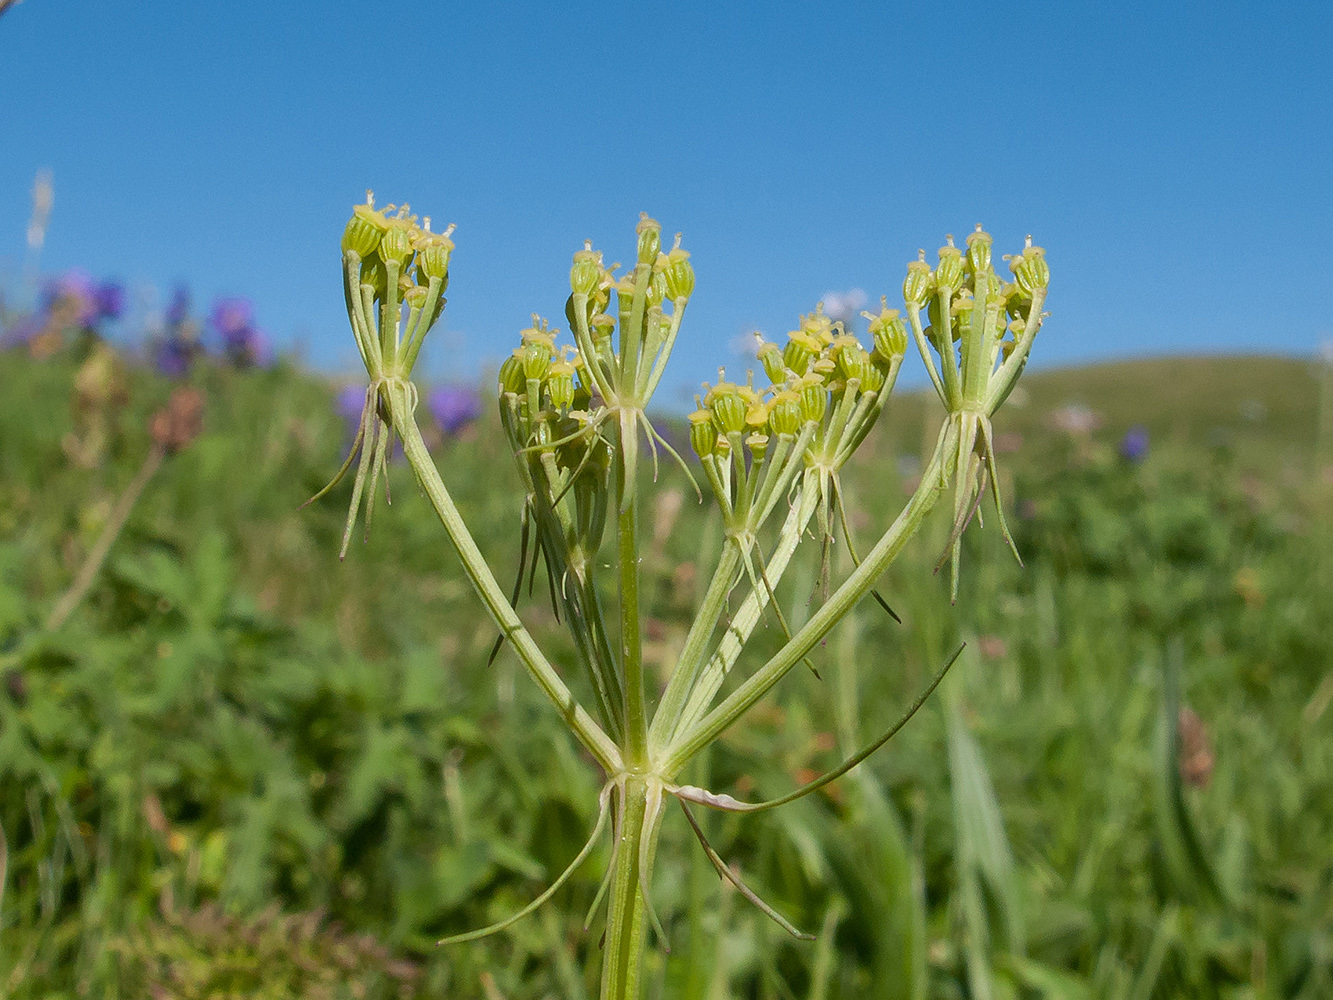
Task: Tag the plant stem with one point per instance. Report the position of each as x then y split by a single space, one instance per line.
488 589
114 525
626 923
631 643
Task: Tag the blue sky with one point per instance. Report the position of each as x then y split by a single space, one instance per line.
1174 159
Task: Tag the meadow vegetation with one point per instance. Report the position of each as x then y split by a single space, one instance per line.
238 767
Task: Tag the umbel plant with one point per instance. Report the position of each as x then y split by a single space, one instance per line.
575 416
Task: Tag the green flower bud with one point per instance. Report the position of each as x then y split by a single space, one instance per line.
536 360
650 238
728 407
679 275
814 398
703 435
877 372
365 228
560 384
800 351
949 272
586 274
758 445
978 250
889 331
771 358
1030 269
784 413
657 288
433 253
373 273
511 373
396 244
853 362
919 283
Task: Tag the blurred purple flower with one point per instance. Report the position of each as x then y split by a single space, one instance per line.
178 309
108 301
1134 445
349 403
173 356
232 316
243 344
454 407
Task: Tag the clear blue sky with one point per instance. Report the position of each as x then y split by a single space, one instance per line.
1175 159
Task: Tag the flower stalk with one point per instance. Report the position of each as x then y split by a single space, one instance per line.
575 418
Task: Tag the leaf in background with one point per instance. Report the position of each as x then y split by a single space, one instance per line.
987 881
1183 856
882 880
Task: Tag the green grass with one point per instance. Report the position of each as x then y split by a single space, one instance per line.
233 718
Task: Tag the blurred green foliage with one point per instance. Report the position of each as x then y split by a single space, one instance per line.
238 754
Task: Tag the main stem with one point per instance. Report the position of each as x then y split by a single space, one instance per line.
626 923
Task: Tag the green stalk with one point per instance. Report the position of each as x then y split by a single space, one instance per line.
631 643
691 659
626 923
744 621
694 739
492 595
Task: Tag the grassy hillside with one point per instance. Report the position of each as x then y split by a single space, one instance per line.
239 766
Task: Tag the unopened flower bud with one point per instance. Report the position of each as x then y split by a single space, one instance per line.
758 445
703 435
511 373
853 362
536 360
784 413
889 331
978 250
917 286
374 274
770 356
657 288
814 398
756 417
679 275
433 253
586 274
396 244
949 272
365 228
560 384
877 372
728 407
1031 270
650 238
800 351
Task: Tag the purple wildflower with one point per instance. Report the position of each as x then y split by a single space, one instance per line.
174 355
1134 445
454 407
349 403
232 316
242 342
108 301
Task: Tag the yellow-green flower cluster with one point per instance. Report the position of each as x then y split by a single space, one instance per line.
825 392
980 328
390 260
